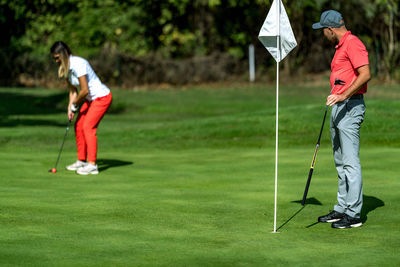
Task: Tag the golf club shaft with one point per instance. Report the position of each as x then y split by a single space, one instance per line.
62 144
313 160
340 82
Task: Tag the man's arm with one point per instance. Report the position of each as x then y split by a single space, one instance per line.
364 76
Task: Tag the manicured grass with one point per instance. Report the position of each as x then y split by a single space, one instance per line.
187 179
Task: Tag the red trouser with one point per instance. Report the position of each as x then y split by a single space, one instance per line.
86 125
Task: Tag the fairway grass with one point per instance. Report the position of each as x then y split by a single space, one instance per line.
187 179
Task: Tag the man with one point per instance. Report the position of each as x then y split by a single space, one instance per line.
350 64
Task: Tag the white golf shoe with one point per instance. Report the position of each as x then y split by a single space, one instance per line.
78 164
88 169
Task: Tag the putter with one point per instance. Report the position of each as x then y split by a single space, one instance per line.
337 82
62 145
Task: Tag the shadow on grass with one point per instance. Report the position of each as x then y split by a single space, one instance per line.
14 104
310 201
30 104
7 122
104 164
294 215
370 203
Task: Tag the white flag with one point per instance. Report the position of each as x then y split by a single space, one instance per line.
269 32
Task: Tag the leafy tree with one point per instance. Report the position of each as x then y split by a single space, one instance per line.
178 29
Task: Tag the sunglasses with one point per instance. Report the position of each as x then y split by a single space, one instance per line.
56 58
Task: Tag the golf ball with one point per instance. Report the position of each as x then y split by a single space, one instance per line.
53 170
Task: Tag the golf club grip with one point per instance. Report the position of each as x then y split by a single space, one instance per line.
307 186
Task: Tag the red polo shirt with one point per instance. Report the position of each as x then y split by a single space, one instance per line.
350 55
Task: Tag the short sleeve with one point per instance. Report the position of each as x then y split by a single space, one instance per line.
80 67
357 53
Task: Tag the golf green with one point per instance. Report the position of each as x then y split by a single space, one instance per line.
187 179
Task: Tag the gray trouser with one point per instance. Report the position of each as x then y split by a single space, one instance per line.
346 119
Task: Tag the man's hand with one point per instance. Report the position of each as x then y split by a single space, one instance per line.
333 99
363 77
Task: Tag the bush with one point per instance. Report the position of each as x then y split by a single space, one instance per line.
126 71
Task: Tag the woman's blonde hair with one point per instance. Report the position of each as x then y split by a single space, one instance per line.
64 51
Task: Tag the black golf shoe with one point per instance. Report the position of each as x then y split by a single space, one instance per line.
347 222
333 216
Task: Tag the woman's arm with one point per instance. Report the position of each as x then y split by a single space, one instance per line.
73 93
84 89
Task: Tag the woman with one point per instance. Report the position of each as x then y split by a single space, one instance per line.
96 97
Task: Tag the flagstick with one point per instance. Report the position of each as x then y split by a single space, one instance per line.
276 144
269 31
277 110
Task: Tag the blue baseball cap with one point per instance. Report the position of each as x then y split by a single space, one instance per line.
330 18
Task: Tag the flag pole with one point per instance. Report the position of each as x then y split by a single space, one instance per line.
278 45
277 111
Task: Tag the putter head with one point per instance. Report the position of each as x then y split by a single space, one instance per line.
339 82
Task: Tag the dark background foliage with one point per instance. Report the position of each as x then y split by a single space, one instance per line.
181 41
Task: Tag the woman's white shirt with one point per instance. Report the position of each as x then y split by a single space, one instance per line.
79 67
